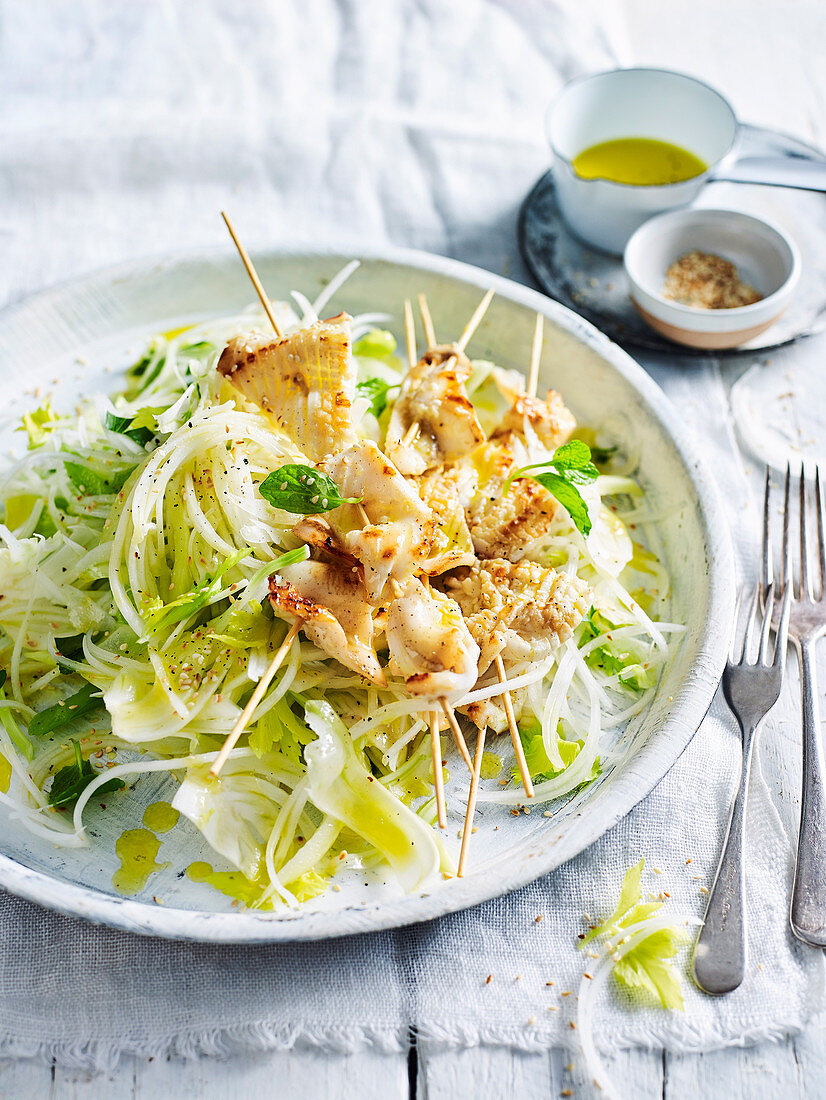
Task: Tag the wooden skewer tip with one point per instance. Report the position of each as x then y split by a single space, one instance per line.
474 321
438 777
522 763
253 274
427 322
536 355
255 698
458 736
410 333
471 802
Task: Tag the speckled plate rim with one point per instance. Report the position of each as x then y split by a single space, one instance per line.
657 756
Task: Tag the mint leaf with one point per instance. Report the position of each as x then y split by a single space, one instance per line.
70 782
303 491
123 426
570 498
570 465
52 718
575 458
376 390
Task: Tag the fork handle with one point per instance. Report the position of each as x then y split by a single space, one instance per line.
808 914
720 951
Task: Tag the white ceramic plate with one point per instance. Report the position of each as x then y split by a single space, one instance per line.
74 338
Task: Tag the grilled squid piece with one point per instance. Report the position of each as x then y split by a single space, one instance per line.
400 529
331 603
503 523
306 381
520 611
433 421
317 532
447 491
430 644
542 425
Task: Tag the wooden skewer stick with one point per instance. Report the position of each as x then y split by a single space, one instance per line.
536 355
522 763
533 378
255 698
436 752
253 274
470 327
458 736
438 776
410 434
427 322
471 802
473 323
292 633
412 358
410 333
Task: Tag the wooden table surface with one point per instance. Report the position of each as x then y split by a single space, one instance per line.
769 56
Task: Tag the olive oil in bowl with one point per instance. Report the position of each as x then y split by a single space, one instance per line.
644 162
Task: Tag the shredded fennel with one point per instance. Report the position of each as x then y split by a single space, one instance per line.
134 553
638 946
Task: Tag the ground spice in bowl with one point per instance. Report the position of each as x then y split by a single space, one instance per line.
706 281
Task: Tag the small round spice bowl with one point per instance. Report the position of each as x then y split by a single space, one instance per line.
710 256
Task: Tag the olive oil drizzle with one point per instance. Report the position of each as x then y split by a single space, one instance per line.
644 162
136 849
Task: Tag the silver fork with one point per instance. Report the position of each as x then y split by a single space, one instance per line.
806 625
751 687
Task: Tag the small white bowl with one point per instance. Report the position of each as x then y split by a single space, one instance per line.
644 103
765 258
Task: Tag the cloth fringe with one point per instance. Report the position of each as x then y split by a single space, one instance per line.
104 1056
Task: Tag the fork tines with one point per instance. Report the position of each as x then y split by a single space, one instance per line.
812 575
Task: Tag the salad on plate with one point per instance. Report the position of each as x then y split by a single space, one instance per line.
424 543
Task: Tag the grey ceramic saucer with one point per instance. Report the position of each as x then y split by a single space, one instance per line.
593 283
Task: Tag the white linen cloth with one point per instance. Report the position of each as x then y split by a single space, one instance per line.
125 128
